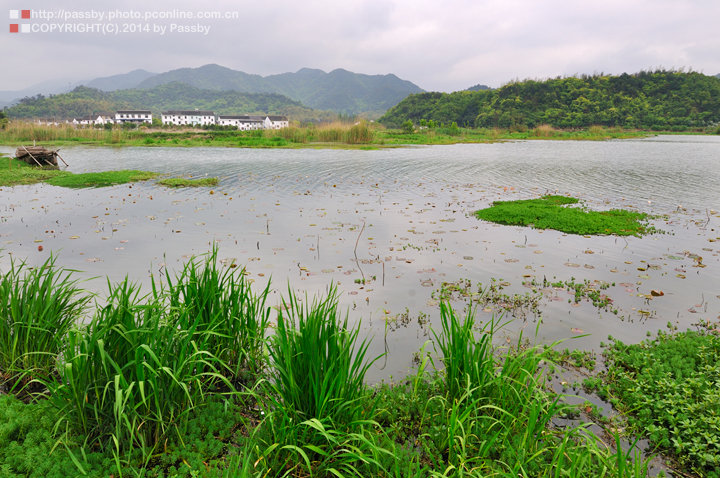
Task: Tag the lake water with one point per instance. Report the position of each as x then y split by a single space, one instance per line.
401 219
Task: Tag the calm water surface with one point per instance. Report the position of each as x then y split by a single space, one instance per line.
295 216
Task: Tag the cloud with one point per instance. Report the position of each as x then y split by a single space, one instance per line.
438 45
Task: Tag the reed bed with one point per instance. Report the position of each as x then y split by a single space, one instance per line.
193 380
18 131
335 132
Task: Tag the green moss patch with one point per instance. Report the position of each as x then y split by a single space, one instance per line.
550 212
188 183
14 172
98 180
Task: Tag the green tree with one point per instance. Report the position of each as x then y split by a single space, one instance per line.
408 127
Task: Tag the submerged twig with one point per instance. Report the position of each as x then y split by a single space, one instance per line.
355 252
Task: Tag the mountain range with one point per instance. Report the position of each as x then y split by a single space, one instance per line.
340 90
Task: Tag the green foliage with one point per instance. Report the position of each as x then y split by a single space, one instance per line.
14 172
468 362
30 448
38 306
548 212
317 393
488 415
186 183
408 127
671 387
659 100
217 308
318 368
146 388
574 358
131 377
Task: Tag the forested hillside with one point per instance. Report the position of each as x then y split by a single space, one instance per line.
648 100
83 101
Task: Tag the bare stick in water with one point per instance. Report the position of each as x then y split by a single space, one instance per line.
355 251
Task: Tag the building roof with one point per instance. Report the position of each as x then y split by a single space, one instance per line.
278 118
188 113
145 112
247 119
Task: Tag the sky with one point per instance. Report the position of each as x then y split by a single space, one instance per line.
439 45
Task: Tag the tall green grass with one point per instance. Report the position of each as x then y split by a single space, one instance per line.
38 305
137 383
316 398
488 414
318 370
130 378
468 361
218 308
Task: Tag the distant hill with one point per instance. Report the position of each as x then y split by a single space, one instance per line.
83 101
648 100
478 88
340 90
46 87
120 82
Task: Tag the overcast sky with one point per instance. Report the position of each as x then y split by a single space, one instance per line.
439 45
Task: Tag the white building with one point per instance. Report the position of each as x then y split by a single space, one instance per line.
133 116
276 122
188 118
243 123
104 119
248 122
83 121
49 122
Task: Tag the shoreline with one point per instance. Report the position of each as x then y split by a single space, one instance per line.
335 136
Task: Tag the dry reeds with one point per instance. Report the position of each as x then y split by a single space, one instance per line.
25 131
544 131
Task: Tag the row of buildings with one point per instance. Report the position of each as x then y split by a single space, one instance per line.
186 118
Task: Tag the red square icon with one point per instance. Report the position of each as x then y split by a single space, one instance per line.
25 13
13 28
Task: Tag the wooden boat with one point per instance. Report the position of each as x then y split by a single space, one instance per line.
38 155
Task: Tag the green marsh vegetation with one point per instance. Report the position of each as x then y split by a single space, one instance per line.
14 172
38 307
333 133
192 380
360 135
188 182
668 386
551 212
